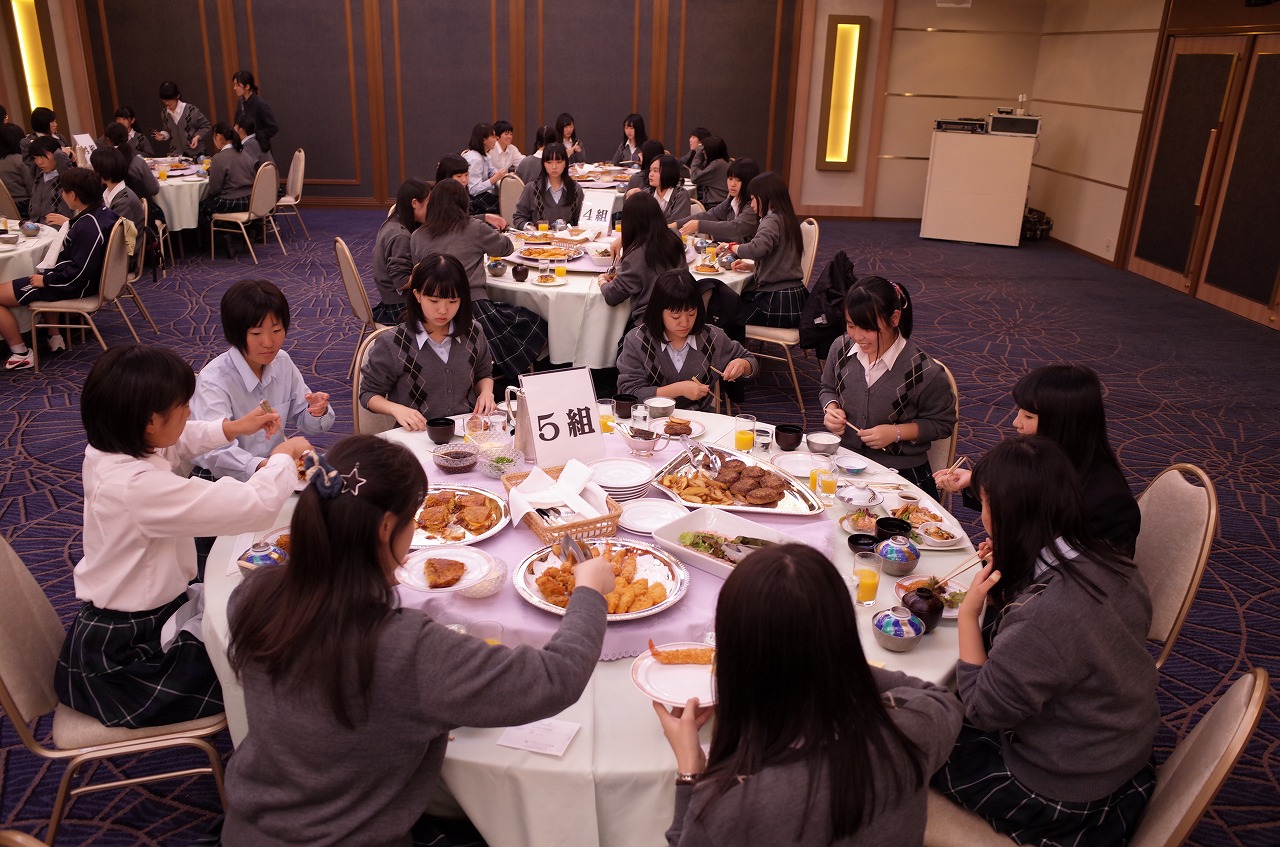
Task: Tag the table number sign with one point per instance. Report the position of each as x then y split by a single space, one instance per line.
556 418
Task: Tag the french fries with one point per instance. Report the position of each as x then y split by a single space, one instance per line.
699 488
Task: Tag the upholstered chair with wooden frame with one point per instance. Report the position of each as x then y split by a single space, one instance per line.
8 208
357 297
31 638
366 422
262 203
13 838
509 189
942 453
291 201
696 207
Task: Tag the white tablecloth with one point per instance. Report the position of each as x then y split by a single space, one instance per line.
20 260
614 785
180 197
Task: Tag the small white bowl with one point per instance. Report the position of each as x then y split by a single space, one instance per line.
10 238
604 261
660 407
826 443
851 464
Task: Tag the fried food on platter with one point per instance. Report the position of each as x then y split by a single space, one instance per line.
556 584
629 594
450 515
683 655
916 515
699 489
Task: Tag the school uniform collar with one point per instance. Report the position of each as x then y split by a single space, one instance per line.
422 336
110 193
887 359
176 111
690 342
246 374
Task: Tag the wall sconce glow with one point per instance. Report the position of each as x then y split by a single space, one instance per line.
28 26
837 131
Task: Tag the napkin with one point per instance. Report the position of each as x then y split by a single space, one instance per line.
573 489
55 247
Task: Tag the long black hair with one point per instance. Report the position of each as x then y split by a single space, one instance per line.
792 684
411 189
555 152
874 299
644 226
450 165
563 121
1068 401
636 122
479 133
772 194
221 128
317 620
438 275
668 173
651 149
446 208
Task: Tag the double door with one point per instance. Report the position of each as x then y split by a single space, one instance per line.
1209 207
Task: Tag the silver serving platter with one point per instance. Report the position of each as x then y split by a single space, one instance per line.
525 587
797 499
422 539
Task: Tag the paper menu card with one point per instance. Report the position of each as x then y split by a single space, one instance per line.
550 736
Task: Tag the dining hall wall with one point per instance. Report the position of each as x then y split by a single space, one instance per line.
377 90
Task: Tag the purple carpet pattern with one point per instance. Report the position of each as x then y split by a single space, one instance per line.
1185 383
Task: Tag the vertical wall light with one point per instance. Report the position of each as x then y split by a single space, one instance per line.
841 65
28 27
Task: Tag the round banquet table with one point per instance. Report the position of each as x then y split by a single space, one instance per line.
614 786
180 197
20 259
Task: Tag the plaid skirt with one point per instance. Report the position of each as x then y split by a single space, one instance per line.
516 336
774 308
113 668
975 777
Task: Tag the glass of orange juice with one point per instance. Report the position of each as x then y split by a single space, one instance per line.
826 485
744 435
604 408
820 464
867 567
543 226
488 631
162 171
562 268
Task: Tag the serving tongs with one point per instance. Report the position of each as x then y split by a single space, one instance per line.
742 546
709 456
570 545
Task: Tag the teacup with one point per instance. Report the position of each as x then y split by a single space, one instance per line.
440 430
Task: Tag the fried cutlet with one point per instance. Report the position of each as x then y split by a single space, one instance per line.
442 573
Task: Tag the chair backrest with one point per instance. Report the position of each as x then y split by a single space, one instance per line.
942 453
1179 518
115 265
1201 762
509 189
357 297
31 638
809 234
13 838
366 422
263 198
139 257
8 208
297 171
696 207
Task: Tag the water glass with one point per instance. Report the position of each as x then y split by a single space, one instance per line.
764 439
640 416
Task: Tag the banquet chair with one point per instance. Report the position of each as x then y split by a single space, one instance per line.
942 453
262 203
696 207
788 338
31 638
291 200
357 297
115 273
366 422
1179 520
1185 786
136 265
14 838
509 188
8 208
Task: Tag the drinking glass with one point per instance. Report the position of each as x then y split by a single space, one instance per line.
764 439
867 567
820 464
562 268
826 485
488 631
744 436
604 408
640 416
543 226
544 270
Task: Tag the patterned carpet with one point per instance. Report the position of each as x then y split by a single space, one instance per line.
1185 382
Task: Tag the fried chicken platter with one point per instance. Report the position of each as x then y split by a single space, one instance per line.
646 580
458 514
742 483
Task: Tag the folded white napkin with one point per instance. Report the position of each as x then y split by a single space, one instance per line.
55 247
573 489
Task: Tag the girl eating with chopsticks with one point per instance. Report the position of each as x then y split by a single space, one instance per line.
775 294
883 395
675 352
735 219
1058 688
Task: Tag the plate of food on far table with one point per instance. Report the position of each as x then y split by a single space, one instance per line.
458 514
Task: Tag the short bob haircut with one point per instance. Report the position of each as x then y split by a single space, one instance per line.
42 120
636 122
715 148
449 166
668 172
246 304
169 90
44 146
411 189
438 275
700 132
1067 399
109 163
11 139
651 149
245 78
126 113
874 299
84 184
500 127
125 387
676 290
479 133
744 170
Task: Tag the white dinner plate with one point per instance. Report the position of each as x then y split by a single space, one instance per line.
559 282
648 514
477 563
696 426
797 464
673 685
693 269
620 473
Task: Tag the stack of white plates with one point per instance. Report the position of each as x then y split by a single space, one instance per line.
622 479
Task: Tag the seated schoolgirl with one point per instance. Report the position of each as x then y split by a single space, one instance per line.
650 151
437 362
134 656
694 157
734 219
567 135
1064 404
504 155
775 294
349 697
711 177
675 352
553 195
254 144
883 395
392 256
648 248
110 165
1058 688
530 166
455 167
255 321
14 173
811 745
230 175
664 185
138 143
633 135
138 177
482 178
47 205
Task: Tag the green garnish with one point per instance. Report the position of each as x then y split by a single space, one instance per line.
503 460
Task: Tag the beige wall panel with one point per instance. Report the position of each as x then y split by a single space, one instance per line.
1094 143
1085 214
964 64
908 121
900 188
1003 15
1095 15
1097 70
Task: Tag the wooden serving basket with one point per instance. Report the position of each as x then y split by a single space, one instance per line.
605 526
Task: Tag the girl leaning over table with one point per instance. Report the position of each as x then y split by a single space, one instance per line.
775 294
553 195
675 352
633 135
516 335
392 256
182 125
134 655
883 395
437 362
1058 688
350 698
811 745
648 248
735 218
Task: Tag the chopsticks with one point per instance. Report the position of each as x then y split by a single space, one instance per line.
961 568
957 465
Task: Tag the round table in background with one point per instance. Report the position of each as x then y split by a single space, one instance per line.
180 197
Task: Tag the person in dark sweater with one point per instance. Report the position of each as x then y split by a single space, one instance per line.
392 256
648 248
437 362
250 106
1058 687
710 178
553 195
775 294
811 745
734 219
1064 403
349 698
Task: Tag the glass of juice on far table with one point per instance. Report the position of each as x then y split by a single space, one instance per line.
744 436
488 631
866 567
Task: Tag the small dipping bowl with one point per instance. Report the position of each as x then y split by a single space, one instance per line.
660 407
520 273
851 465
861 542
503 461
456 458
440 430
888 527
787 436
897 629
825 443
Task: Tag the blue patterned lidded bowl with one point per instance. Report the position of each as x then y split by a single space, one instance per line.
900 555
897 629
261 554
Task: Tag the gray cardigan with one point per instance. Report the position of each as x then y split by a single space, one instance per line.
769 807
1069 683
713 180
141 180
469 243
530 167
643 366
930 403
392 261
678 204
777 262
531 209
450 386
300 777
635 278
230 174
191 125
46 199
127 205
17 177
724 223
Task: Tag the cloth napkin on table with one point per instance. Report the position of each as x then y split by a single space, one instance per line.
55 247
574 489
